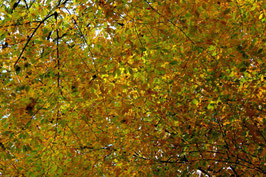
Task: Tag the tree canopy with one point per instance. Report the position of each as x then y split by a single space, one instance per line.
132 88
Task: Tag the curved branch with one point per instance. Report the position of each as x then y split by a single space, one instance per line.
32 34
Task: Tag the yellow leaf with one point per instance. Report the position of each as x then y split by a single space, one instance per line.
260 17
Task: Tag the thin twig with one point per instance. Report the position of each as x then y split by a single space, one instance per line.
180 29
58 68
85 41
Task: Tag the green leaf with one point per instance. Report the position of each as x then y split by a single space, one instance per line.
174 62
195 101
210 106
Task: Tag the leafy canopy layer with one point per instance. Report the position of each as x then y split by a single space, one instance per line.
132 87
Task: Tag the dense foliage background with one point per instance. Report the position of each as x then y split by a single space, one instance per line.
132 88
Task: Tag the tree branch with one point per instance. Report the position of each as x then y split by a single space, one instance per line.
180 29
32 34
204 171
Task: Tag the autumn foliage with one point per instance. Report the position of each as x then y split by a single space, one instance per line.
132 88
